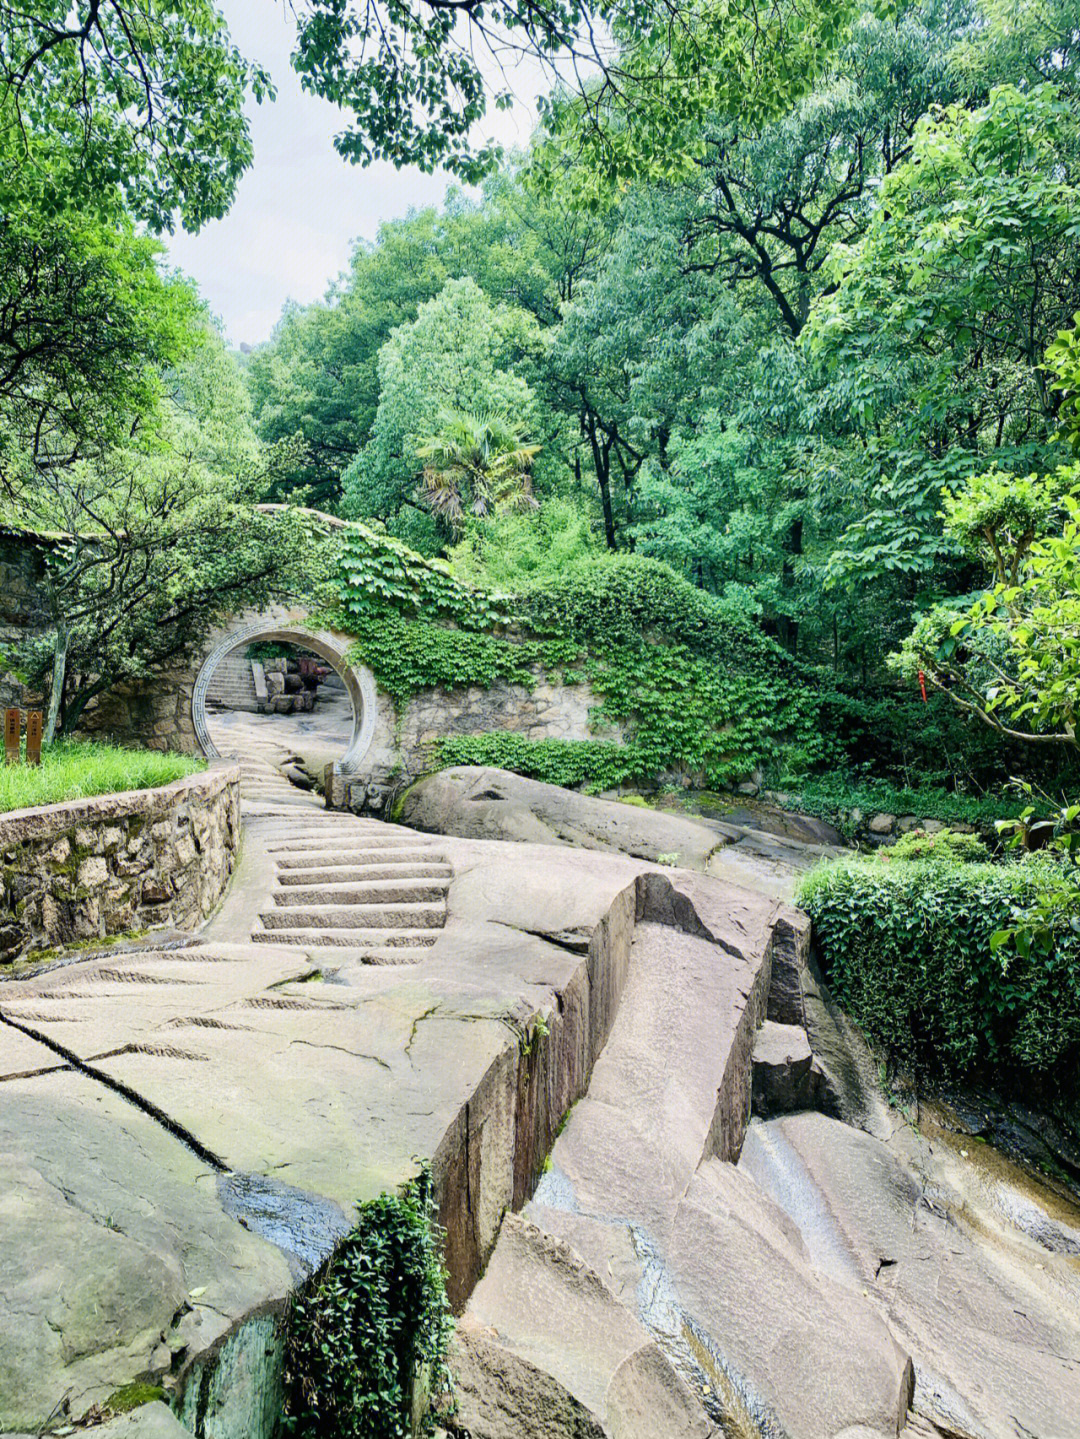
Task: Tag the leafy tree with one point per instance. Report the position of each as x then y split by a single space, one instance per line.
516 548
87 322
457 355
476 463
154 539
776 198
136 100
1011 656
318 377
935 332
634 78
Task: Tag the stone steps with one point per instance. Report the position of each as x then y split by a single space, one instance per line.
346 873
366 892
233 684
373 894
365 942
348 850
424 915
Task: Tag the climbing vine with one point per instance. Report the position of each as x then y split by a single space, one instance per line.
686 677
590 764
380 573
370 1324
412 655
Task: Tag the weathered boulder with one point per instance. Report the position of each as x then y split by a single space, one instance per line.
155 1232
642 1209
786 1079
481 803
115 1257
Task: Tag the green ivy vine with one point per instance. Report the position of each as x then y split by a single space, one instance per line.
380 573
373 1322
689 681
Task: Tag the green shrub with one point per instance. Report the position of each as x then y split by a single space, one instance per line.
591 764
77 769
833 796
948 846
906 948
372 1320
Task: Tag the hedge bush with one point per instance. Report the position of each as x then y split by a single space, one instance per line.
906 949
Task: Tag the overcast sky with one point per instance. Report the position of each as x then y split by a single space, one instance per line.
299 208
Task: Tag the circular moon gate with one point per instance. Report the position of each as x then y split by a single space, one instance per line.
359 682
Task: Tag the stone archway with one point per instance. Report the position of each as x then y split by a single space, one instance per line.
288 627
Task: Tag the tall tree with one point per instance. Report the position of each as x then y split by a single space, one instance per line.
936 329
144 98
457 355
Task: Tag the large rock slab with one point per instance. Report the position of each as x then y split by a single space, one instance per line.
799 1352
187 1131
482 803
990 1315
642 1205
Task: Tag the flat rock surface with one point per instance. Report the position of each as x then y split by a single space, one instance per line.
485 803
184 1132
115 1249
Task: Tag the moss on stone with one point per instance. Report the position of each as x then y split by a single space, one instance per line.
133 1396
79 946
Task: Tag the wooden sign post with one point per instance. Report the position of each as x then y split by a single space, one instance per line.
12 729
33 737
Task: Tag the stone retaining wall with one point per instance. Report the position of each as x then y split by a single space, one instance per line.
403 746
96 867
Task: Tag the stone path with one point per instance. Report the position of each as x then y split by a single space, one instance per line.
184 1131
566 1037
363 890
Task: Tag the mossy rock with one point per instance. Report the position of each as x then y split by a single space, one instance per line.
133 1396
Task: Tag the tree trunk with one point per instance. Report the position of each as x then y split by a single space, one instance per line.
601 455
56 684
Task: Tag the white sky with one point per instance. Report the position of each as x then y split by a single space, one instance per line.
300 207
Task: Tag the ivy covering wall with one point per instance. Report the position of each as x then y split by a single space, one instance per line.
692 684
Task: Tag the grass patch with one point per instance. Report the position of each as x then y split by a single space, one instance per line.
833 796
77 769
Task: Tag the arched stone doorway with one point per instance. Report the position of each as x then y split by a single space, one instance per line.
288 628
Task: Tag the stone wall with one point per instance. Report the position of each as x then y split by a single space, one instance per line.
403 747
96 867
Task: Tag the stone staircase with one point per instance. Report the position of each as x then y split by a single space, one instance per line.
232 686
264 789
379 896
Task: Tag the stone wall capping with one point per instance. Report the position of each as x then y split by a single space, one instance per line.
39 821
